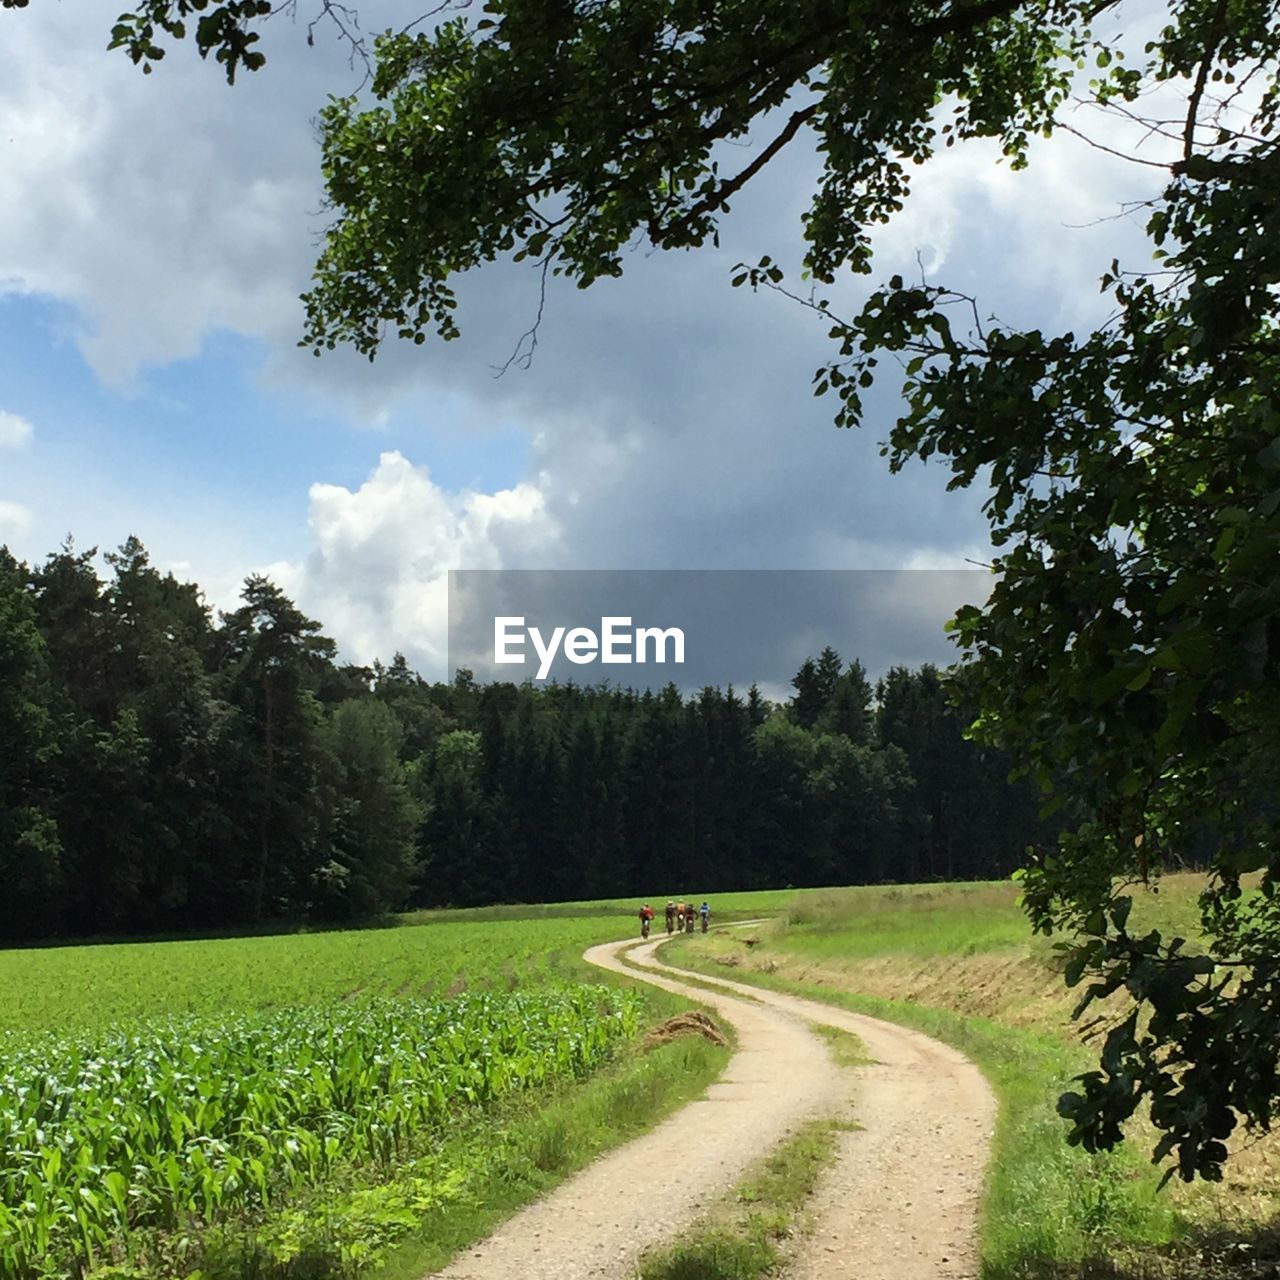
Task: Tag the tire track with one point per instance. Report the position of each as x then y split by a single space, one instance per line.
899 1203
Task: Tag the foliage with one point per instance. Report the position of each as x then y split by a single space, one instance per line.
376 826
169 772
560 134
221 29
187 1123
30 848
1129 657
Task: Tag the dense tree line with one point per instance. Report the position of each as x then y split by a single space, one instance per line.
164 770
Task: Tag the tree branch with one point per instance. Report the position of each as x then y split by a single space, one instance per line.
730 186
1216 32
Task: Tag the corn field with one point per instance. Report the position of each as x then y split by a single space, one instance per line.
192 1122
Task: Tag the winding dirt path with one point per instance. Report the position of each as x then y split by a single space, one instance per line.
900 1202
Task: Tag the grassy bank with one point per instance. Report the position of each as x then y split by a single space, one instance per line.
958 963
489 1168
1047 1205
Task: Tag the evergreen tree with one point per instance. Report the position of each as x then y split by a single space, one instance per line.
827 673
810 698
849 710
271 658
32 870
457 869
374 860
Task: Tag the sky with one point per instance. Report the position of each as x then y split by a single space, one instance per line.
158 232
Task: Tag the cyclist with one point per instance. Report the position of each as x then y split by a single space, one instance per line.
671 917
705 912
646 916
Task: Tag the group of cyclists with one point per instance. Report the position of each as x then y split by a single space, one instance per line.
680 917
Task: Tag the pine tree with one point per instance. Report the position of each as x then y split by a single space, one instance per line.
374 859
32 868
810 699
848 711
272 656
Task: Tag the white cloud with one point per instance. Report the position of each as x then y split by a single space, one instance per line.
15 519
163 207
15 431
669 416
378 569
948 558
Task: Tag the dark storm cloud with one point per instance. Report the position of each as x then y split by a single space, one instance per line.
734 626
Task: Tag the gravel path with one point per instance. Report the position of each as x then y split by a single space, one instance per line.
900 1201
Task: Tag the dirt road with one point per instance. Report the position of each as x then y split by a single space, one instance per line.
899 1203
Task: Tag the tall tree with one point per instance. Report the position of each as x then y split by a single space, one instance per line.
161 634
460 867
810 699
374 839
271 655
848 710
31 855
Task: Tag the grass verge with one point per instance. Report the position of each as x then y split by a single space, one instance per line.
689 980
746 1237
404 1222
1050 1210
846 1048
542 1146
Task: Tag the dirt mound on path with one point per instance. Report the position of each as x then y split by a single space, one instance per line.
693 1023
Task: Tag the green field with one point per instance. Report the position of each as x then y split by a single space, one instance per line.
197 1120
429 953
77 988
332 1104
296 1105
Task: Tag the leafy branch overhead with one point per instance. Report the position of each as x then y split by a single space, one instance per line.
226 30
1129 655
564 132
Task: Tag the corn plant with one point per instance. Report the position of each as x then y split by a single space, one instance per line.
193 1121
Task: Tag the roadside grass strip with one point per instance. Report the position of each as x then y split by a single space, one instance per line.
536 1145
846 1048
686 979
1049 1208
747 1236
